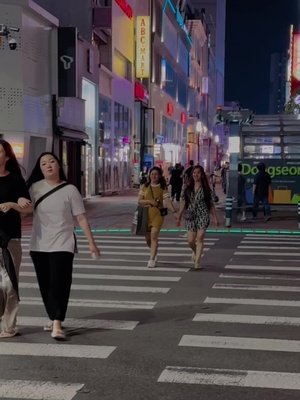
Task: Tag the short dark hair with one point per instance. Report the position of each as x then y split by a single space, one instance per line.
191 163
12 164
261 166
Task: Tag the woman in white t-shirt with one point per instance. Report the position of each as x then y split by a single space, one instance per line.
52 243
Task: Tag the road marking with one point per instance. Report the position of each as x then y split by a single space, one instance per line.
269 247
136 305
261 277
125 237
231 377
262 267
267 288
81 323
264 253
240 343
84 242
98 264
262 235
247 319
105 288
115 277
266 242
35 390
53 350
252 302
145 253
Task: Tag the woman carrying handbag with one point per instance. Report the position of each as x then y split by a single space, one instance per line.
196 206
53 243
153 195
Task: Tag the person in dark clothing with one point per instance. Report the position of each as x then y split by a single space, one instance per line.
12 191
262 182
224 174
241 203
188 172
176 183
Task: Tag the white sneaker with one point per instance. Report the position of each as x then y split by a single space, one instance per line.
243 219
151 264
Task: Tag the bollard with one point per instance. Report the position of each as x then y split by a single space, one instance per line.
299 214
229 202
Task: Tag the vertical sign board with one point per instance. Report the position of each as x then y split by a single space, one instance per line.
142 47
295 78
67 65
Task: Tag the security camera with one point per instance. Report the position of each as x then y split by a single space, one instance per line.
12 44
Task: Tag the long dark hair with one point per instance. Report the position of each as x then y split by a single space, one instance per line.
37 175
190 187
12 164
161 180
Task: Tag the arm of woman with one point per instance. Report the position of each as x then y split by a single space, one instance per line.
85 226
5 207
214 214
170 206
142 201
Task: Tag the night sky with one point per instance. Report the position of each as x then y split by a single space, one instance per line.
254 30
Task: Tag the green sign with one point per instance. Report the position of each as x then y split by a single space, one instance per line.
285 180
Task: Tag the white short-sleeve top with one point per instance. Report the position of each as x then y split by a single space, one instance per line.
53 219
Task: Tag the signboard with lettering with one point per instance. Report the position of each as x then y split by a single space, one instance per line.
67 66
143 47
285 177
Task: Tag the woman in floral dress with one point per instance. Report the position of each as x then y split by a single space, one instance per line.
197 203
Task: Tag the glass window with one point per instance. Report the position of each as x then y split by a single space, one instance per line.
266 149
262 140
183 57
122 66
104 119
168 129
169 79
170 36
182 93
291 139
292 149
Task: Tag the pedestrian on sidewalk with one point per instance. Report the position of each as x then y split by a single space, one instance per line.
241 202
176 182
261 186
197 203
53 241
153 195
12 189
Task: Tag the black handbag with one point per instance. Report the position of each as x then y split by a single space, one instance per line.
163 210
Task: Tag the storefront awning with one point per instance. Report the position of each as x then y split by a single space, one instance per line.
71 134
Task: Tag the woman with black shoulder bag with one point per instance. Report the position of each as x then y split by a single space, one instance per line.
53 243
153 195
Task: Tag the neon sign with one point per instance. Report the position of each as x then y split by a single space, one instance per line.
126 8
179 18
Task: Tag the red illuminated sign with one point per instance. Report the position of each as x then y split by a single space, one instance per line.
183 118
126 8
170 109
139 91
295 79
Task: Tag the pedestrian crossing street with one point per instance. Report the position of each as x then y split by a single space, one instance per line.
120 281
256 299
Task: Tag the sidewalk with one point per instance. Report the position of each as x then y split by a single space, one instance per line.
116 212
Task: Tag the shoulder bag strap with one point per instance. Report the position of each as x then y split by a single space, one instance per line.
49 194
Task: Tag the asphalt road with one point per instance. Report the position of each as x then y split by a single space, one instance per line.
229 331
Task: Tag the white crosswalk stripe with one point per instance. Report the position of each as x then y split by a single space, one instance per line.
261 308
36 390
123 265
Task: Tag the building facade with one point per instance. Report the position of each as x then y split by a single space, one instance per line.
27 81
278 79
